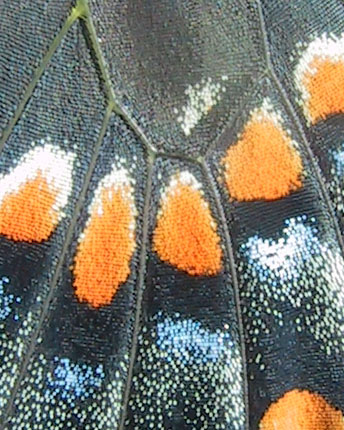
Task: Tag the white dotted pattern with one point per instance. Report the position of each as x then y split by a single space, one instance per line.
202 98
300 270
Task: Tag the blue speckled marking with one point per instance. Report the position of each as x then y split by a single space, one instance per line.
189 342
339 160
7 300
70 381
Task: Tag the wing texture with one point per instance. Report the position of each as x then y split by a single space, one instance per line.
171 215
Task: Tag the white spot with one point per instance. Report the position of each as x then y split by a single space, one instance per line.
202 98
267 112
297 268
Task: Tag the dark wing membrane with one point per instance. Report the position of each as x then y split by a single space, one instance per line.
27 31
189 368
170 252
77 372
181 68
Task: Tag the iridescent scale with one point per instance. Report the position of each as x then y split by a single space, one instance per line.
171 215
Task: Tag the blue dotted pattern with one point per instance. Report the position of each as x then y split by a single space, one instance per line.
7 300
189 342
70 381
339 161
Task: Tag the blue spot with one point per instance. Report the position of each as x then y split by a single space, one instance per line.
70 381
186 340
7 300
339 160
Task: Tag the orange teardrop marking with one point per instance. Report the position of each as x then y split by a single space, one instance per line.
263 164
102 262
302 410
185 235
325 88
28 214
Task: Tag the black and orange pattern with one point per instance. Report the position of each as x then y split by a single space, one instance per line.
185 235
171 215
106 246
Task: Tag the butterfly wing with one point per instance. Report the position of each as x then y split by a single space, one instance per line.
171 255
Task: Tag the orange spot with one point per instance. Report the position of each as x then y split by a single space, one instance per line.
302 410
28 214
185 235
325 88
107 245
262 165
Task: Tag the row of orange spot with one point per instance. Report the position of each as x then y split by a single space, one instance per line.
263 164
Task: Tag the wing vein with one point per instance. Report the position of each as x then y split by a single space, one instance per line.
297 123
230 252
141 277
59 266
36 77
113 100
253 89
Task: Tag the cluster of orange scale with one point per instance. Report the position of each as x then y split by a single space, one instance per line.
28 214
185 235
263 164
302 410
325 88
102 261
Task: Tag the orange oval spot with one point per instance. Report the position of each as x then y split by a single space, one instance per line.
28 214
102 261
263 164
185 235
325 88
302 410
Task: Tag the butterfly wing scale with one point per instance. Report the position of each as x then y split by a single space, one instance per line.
82 356
180 68
285 251
157 278
36 28
189 350
61 122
